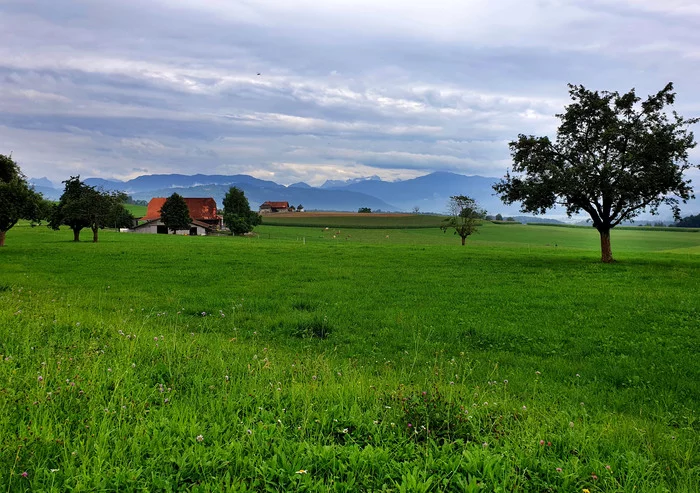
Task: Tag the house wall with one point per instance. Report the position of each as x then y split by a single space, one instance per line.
150 229
200 231
153 229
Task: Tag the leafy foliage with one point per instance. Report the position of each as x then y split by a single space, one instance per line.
613 158
364 210
465 216
175 214
237 214
83 206
689 222
17 198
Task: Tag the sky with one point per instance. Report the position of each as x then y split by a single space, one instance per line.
309 90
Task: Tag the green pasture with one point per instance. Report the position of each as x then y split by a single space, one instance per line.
520 237
350 359
136 210
362 221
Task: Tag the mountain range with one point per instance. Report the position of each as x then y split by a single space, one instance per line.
429 193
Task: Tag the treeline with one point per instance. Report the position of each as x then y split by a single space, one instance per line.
81 206
689 222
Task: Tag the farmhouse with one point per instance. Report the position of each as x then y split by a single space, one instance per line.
205 220
274 207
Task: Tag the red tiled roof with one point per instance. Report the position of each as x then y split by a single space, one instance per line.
200 208
276 205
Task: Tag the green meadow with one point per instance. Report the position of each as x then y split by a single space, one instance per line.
350 359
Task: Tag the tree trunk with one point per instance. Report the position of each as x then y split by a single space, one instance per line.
94 235
2 238
464 239
76 235
605 250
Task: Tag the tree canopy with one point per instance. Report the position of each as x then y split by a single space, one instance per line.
175 214
83 206
237 214
18 200
689 222
614 157
464 216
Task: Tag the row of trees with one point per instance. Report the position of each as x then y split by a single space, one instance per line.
689 222
81 206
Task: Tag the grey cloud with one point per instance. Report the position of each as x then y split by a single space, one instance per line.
117 87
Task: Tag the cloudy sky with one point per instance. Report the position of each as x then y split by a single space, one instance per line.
306 90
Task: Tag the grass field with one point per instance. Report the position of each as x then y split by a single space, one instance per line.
350 360
137 210
355 221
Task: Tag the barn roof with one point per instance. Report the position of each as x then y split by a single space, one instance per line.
200 208
276 205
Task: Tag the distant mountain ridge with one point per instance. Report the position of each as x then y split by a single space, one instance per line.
429 193
351 181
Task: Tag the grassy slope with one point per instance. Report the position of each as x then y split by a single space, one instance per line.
405 314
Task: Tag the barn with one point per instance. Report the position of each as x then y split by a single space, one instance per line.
274 207
205 219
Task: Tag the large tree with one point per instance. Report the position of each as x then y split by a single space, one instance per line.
464 216
69 210
175 214
237 214
18 200
83 206
614 157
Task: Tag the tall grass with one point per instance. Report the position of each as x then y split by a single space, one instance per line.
294 360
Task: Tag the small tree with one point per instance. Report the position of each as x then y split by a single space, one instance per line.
613 158
364 210
499 217
300 208
237 214
18 200
464 216
121 217
175 214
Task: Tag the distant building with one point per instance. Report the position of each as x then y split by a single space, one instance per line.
205 219
274 207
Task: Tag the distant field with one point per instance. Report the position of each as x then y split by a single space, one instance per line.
137 210
353 220
517 237
630 228
306 359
